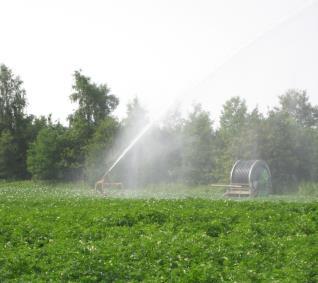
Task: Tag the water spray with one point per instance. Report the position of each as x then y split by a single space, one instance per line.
228 59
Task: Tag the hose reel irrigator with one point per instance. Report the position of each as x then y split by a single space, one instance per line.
249 178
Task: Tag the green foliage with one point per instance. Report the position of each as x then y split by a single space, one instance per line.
17 129
94 101
77 137
98 147
65 233
136 116
8 156
296 104
69 153
95 104
233 122
184 150
197 151
289 149
44 155
12 100
286 139
233 115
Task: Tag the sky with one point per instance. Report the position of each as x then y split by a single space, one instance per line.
161 51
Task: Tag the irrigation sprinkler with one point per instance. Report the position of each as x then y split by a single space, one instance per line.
249 178
105 183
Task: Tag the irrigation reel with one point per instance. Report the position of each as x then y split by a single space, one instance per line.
248 178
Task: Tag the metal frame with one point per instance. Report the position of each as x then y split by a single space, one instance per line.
243 178
250 173
236 162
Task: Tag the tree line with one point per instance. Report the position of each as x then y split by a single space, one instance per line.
190 150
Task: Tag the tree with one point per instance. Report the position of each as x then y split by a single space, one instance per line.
15 125
289 140
95 101
234 117
12 100
296 104
45 155
95 105
247 143
132 168
171 138
314 155
8 156
99 147
198 137
279 149
289 146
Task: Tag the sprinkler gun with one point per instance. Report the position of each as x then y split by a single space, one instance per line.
105 183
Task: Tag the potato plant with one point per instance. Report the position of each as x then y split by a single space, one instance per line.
63 233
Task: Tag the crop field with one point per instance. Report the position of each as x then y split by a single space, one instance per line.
67 233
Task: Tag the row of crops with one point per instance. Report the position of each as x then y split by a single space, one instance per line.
69 234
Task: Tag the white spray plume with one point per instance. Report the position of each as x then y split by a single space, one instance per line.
210 76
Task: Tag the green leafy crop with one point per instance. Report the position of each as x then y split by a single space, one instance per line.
47 234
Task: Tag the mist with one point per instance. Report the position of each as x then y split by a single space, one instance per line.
189 149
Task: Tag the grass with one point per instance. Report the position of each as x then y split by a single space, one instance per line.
65 232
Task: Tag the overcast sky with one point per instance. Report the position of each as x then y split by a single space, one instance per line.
158 50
